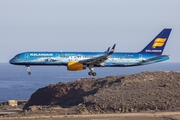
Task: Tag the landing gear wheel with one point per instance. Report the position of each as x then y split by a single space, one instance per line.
28 69
91 68
90 73
94 73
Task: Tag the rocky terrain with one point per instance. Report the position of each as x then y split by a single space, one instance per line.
146 91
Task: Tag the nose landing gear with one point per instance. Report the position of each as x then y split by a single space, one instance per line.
28 69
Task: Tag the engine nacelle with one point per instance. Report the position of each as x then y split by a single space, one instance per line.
75 66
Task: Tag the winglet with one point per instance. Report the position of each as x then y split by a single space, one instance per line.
112 49
107 50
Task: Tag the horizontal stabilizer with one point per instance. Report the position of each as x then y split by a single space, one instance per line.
153 59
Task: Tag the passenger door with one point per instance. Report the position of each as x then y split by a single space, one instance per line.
26 57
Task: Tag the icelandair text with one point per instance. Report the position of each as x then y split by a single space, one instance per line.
153 50
41 54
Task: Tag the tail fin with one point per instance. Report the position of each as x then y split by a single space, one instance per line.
156 46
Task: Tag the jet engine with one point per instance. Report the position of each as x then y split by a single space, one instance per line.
75 66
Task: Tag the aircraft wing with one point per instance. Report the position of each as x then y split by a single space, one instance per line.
99 59
151 59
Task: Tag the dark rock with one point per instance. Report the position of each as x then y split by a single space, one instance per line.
146 91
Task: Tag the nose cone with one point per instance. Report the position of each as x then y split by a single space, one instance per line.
12 61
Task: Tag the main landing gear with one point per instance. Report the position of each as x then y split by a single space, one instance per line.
28 69
91 67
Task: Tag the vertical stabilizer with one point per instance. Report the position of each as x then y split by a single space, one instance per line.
156 46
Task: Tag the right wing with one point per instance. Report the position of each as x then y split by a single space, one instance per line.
99 59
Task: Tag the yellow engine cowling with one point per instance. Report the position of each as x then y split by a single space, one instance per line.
75 66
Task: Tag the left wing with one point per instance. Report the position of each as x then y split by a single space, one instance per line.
99 59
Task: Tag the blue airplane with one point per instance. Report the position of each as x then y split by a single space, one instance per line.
76 61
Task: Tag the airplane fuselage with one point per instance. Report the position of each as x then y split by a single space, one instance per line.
117 59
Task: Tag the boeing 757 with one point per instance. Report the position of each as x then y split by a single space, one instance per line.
76 61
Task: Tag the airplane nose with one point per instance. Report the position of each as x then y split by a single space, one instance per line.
11 61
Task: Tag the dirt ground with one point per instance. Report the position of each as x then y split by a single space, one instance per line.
123 116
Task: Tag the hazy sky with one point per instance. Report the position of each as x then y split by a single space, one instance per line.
86 25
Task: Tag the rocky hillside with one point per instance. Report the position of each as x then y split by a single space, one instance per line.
145 91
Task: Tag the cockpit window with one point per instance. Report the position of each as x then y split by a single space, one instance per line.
17 57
